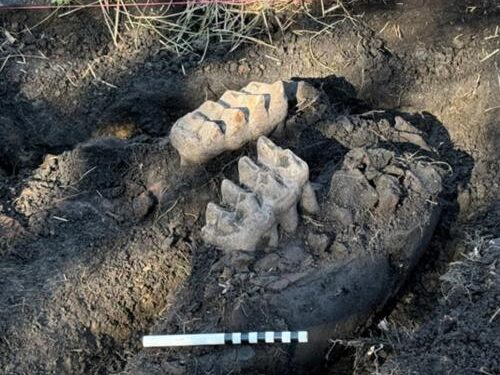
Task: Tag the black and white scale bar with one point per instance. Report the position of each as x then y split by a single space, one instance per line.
236 338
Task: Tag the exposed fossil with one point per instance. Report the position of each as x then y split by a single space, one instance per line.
277 182
235 119
243 225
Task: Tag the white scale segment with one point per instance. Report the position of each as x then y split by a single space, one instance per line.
234 338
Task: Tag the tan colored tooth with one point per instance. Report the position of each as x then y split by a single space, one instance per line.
231 192
273 199
214 214
193 135
284 162
254 216
268 186
276 100
247 169
266 151
248 204
212 110
255 106
292 169
240 229
237 118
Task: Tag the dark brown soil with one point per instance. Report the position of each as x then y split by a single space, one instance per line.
100 227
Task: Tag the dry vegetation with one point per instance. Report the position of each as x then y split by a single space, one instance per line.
192 26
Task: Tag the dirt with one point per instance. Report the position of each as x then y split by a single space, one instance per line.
470 289
100 227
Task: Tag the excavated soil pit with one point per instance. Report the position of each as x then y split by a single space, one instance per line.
120 222
100 226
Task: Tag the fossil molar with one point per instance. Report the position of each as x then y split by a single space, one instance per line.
276 183
235 119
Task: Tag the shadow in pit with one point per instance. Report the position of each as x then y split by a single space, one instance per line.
30 129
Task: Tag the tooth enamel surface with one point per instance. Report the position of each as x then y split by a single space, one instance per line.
275 98
237 118
241 227
268 186
284 162
272 188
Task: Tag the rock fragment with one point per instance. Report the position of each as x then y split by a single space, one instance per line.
351 190
318 242
373 179
389 193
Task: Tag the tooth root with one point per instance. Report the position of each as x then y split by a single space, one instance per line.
290 220
273 236
308 200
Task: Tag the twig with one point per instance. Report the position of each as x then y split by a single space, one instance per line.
490 55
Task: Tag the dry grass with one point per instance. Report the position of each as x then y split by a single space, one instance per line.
191 27
461 276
